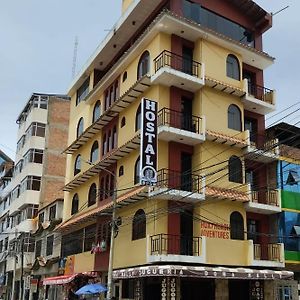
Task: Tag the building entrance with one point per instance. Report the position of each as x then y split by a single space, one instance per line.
239 290
197 289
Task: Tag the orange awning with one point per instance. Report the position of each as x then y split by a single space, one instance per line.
64 279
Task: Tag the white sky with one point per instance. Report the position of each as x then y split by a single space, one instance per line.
37 42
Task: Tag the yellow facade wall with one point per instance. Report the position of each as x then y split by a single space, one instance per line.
129 253
84 262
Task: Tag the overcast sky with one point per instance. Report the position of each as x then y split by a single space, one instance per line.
37 43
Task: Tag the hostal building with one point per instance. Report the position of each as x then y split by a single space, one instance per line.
208 227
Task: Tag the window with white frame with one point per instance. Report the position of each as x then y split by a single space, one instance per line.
285 293
32 183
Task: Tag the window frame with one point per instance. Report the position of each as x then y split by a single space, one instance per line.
139 225
92 193
233 68
237 227
235 169
234 117
73 210
143 67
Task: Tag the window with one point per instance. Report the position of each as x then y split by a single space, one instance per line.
217 23
285 293
33 156
104 145
123 122
89 237
138 116
75 204
236 226
124 76
52 213
252 230
31 212
83 91
293 178
41 217
77 165
143 65
111 94
234 118
139 225
92 195
114 138
233 67
49 249
79 127
38 248
28 243
35 129
6 244
94 152
32 183
137 171
121 171
235 170
97 111
71 246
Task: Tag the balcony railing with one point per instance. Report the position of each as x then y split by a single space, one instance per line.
164 244
177 62
179 120
185 181
260 92
264 142
269 252
269 197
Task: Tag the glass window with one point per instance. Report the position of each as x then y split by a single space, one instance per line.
121 171
285 293
28 243
92 195
42 217
139 225
33 156
79 128
75 204
138 117
114 138
32 183
94 152
52 213
137 171
124 76
83 91
77 165
104 145
234 118
236 226
233 67
97 111
123 122
36 129
38 248
143 65
235 170
71 246
89 237
49 249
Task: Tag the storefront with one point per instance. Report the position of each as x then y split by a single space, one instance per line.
191 283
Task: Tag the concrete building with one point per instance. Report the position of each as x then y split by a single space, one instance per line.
288 180
37 183
209 225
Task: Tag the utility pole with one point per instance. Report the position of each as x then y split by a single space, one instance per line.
15 267
112 240
22 269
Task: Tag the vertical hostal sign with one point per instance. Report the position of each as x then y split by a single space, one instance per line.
148 162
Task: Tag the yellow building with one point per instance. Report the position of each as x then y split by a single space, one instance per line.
206 227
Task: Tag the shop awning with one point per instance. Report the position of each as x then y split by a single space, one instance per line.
202 272
63 279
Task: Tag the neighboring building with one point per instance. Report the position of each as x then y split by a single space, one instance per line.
213 215
289 184
6 172
37 183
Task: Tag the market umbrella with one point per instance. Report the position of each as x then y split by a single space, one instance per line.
91 289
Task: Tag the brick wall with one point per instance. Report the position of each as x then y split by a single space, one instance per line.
54 162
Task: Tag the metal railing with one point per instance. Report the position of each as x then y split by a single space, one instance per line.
185 181
163 244
264 142
260 92
267 252
269 197
179 120
177 62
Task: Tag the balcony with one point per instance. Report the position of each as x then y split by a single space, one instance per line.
176 248
178 127
262 149
258 99
264 202
185 187
268 255
175 70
